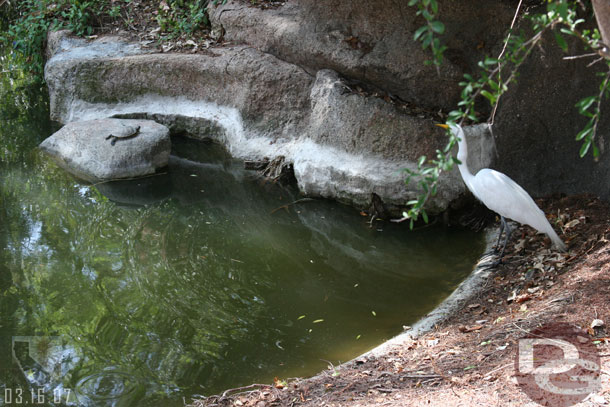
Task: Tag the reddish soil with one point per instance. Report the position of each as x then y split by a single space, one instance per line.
469 359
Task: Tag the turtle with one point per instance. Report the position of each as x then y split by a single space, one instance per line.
125 133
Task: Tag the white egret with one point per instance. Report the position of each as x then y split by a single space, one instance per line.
502 195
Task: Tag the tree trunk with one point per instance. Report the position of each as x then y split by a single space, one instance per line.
602 15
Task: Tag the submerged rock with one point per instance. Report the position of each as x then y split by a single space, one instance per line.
110 148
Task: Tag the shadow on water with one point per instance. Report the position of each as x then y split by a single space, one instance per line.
202 278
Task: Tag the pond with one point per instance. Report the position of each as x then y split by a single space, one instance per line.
198 279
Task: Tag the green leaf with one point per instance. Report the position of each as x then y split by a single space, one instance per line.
584 133
595 152
585 103
419 32
562 10
424 216
427 39
585 147
427 15
437 27
454 114
488 95
561 42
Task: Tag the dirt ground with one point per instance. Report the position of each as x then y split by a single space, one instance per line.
469 359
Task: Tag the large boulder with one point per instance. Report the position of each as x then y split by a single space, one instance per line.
343 144
235 86
356 145
110 148
537 123
372 41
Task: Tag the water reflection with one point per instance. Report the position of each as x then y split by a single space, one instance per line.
193 280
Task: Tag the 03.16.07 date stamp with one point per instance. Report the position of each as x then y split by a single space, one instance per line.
29 396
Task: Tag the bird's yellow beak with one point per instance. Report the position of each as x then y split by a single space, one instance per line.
444 126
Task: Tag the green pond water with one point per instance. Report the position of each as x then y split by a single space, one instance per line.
144 292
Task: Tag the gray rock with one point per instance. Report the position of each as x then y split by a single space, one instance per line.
197 128
358 124
537 123
342 145
62 45
357 145
88 150
372 41
271 96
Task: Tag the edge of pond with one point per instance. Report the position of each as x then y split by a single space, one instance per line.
448 307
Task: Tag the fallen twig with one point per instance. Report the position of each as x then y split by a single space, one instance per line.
499 368
592 54
292 203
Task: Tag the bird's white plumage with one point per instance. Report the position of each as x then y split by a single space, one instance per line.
503 195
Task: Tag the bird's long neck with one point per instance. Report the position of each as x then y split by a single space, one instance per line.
463 157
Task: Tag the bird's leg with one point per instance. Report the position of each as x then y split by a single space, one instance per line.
507 231
497 248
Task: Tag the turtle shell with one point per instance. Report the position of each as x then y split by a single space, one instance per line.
126 131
